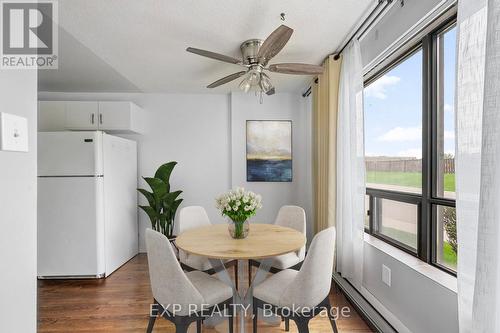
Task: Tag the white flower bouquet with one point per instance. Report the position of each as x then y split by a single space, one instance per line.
239 205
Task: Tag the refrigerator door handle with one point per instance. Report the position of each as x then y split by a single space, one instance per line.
100 118
92 119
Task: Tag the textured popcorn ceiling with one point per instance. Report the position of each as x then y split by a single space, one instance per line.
139 45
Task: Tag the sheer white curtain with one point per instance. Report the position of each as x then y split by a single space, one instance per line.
478 165
350 167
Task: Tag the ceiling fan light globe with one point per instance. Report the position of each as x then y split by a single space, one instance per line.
265 83
245 85
253 77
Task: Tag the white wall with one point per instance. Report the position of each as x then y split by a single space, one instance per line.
204 133
415 302
192 130
278 107
18 94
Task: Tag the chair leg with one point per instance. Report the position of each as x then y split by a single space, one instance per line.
249 273
287 324
181 328
198 326
336 288
236 274
151 323
302 324
330 316
254 320
230 312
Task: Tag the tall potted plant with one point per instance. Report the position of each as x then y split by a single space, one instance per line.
162 202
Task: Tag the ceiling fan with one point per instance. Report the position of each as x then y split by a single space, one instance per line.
255 57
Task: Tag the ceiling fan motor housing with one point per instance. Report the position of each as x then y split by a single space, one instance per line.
249 50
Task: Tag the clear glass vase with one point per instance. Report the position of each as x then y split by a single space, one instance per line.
239 229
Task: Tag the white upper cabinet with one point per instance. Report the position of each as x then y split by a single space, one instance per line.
82 115
109 116
51 116
120 116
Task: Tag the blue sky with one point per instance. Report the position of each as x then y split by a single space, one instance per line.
393 107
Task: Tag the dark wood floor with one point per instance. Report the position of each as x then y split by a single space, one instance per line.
121 303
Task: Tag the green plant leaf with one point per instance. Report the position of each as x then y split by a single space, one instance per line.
164 172
170 197
153 216
149 196
158 186
175 206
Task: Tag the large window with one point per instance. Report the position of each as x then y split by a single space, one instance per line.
393 128
410 151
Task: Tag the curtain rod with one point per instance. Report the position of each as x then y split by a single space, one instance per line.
368 22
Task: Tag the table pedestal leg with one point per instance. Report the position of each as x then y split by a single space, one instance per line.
244 308
242 302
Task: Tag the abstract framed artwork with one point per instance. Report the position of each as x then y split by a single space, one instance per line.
269 150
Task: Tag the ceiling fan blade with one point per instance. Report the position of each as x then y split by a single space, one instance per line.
296 68
226 79
274 43
214 55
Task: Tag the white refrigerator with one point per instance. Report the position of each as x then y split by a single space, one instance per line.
87 204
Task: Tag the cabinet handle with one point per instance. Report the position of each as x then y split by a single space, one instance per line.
100 118
92 119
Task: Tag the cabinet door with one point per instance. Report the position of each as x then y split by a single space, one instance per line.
114 116
51 116
81 115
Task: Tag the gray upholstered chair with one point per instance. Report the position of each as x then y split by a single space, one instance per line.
292 217
194 217
182 298
301 295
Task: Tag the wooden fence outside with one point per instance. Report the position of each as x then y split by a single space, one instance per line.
413 165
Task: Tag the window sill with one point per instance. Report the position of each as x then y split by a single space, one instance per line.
444 279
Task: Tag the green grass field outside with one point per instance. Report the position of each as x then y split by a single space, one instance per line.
409 179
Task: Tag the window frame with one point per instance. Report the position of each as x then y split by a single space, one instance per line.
427 201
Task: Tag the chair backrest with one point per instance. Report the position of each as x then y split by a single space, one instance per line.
293 217
192 217
169 283
312 283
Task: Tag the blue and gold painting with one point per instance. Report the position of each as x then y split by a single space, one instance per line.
269 150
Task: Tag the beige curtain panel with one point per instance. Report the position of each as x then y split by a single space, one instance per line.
325 104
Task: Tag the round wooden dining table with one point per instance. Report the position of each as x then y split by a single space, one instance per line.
264 241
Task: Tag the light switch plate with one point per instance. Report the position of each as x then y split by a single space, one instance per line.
386 275
13 132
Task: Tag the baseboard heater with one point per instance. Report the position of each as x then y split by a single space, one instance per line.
365 309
